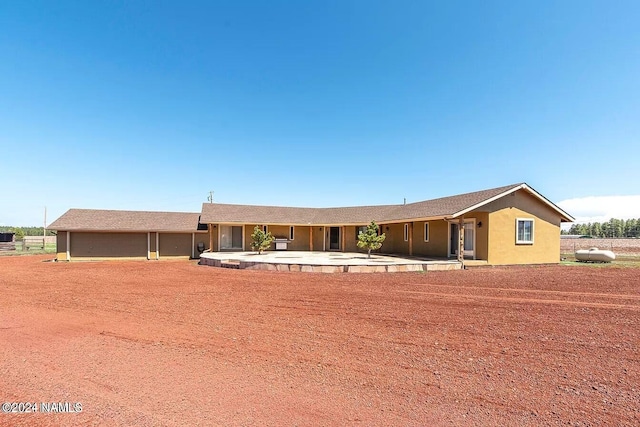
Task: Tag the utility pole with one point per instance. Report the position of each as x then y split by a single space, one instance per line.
210 198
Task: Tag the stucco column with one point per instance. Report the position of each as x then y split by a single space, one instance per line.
310 238
344 237
461 240
210 237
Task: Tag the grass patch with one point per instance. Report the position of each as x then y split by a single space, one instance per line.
49 248
621 261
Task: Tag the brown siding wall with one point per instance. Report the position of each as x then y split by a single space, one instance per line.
108 245
200 238
502 232
175 244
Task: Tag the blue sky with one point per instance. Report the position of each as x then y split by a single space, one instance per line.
150 105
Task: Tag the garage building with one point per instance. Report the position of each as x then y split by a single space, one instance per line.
85 234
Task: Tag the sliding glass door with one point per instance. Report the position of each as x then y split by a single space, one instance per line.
230 237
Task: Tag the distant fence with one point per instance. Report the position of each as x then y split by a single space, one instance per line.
8 242
618 246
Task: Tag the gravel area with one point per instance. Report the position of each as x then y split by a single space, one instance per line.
177 344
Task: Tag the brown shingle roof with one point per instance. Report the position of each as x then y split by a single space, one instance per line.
112 220
447 206
453 206
442 207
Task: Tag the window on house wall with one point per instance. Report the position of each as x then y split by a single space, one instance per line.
406 232
265 228
361 229
426 231
524 231
291 235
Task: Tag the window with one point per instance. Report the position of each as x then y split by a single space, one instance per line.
406 232
265 228
426 231
361 229
291 233
524 231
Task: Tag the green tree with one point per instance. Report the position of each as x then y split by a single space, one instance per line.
369 239
19 233
260 240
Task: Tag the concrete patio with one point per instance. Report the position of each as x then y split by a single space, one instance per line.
324 262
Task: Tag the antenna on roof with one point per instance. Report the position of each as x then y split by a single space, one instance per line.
210 198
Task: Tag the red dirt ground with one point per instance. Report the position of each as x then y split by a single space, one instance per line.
174 343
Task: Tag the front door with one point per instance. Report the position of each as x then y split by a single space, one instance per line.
334 238
469 239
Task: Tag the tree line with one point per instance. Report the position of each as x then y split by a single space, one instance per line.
26 231
612 228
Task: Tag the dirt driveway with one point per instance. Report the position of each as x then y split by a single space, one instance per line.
174 343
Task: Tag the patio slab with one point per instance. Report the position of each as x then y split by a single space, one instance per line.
324 262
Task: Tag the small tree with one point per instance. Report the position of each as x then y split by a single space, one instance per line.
370 240
260 240
19 233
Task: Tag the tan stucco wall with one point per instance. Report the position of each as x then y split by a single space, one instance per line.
438 235
394 240
482 235
212 236
502 245
351 240
175 245
300 240
108 245
61 246
318 241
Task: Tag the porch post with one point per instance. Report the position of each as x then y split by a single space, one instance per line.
324 238
210 238
344 237
410 238
310 238
461 241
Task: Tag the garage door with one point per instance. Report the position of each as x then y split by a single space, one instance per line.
175 244
108 245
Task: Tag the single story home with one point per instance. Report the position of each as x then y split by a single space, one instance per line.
507 225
